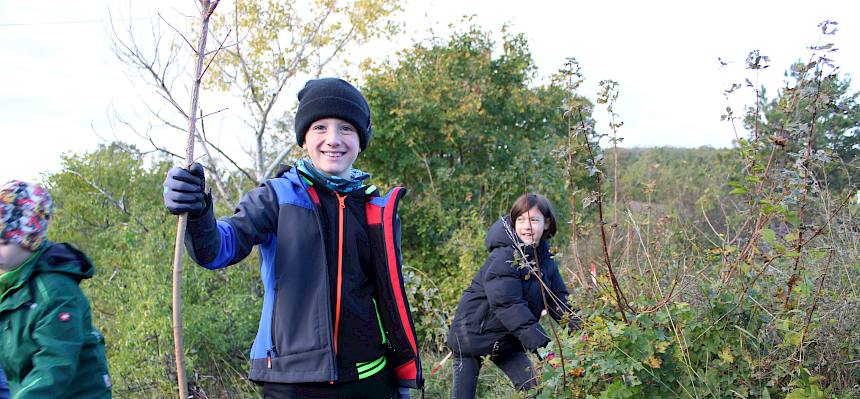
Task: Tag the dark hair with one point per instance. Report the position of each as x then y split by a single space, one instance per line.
529 201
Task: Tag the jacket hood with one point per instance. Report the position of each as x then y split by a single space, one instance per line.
498 237
64 258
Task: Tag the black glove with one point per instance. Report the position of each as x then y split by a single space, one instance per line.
183 190
575 323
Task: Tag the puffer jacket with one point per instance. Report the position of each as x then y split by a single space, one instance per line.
49 347
499 311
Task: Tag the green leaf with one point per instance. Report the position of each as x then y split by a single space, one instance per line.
753 179
791 217
793 338
768 235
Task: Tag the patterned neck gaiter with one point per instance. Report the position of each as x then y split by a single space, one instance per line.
334 183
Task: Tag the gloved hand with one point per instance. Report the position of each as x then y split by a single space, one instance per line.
183 190
574 324
549 356
544 354
402 393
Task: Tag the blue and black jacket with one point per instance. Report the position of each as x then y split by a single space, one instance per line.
307 282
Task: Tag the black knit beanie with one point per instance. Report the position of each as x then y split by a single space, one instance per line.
332 98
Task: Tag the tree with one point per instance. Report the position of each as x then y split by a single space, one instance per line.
836 123
466 131
108 202
279 42
267 47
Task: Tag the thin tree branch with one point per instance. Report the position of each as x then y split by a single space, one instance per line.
119 204
190 46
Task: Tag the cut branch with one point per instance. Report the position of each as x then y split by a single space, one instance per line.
207 7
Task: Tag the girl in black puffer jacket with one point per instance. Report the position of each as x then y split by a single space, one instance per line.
498 314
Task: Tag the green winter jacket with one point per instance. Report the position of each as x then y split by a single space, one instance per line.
48 346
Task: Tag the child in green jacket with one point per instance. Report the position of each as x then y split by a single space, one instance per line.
48 346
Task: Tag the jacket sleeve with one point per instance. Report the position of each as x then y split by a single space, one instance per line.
59 335
505 296
216 244
4 386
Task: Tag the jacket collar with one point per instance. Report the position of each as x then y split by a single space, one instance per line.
18 295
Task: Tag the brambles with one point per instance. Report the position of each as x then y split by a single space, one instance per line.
720 288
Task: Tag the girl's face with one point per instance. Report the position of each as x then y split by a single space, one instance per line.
332 144
530 225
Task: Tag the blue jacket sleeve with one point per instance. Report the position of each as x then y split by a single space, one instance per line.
216 244
4 386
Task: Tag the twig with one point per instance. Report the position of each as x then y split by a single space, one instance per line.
574 245
191 46
215 54
792 281
619 295
814 305
219 183
227 157
120 204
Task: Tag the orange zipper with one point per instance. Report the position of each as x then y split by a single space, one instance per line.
340 208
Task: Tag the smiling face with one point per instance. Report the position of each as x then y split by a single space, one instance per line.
332 144
530 225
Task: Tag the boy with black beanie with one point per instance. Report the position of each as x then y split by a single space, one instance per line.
335 321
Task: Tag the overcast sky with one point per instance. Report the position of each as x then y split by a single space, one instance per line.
59 79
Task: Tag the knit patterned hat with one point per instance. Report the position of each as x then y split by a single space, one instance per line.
332 98
25 209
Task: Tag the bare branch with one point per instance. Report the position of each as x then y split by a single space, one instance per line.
130 54
220 47
227 157
219 183
340 45
120 204
191 46
213 113
275 162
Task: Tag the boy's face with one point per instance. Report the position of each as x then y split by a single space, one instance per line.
332 144
12 256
